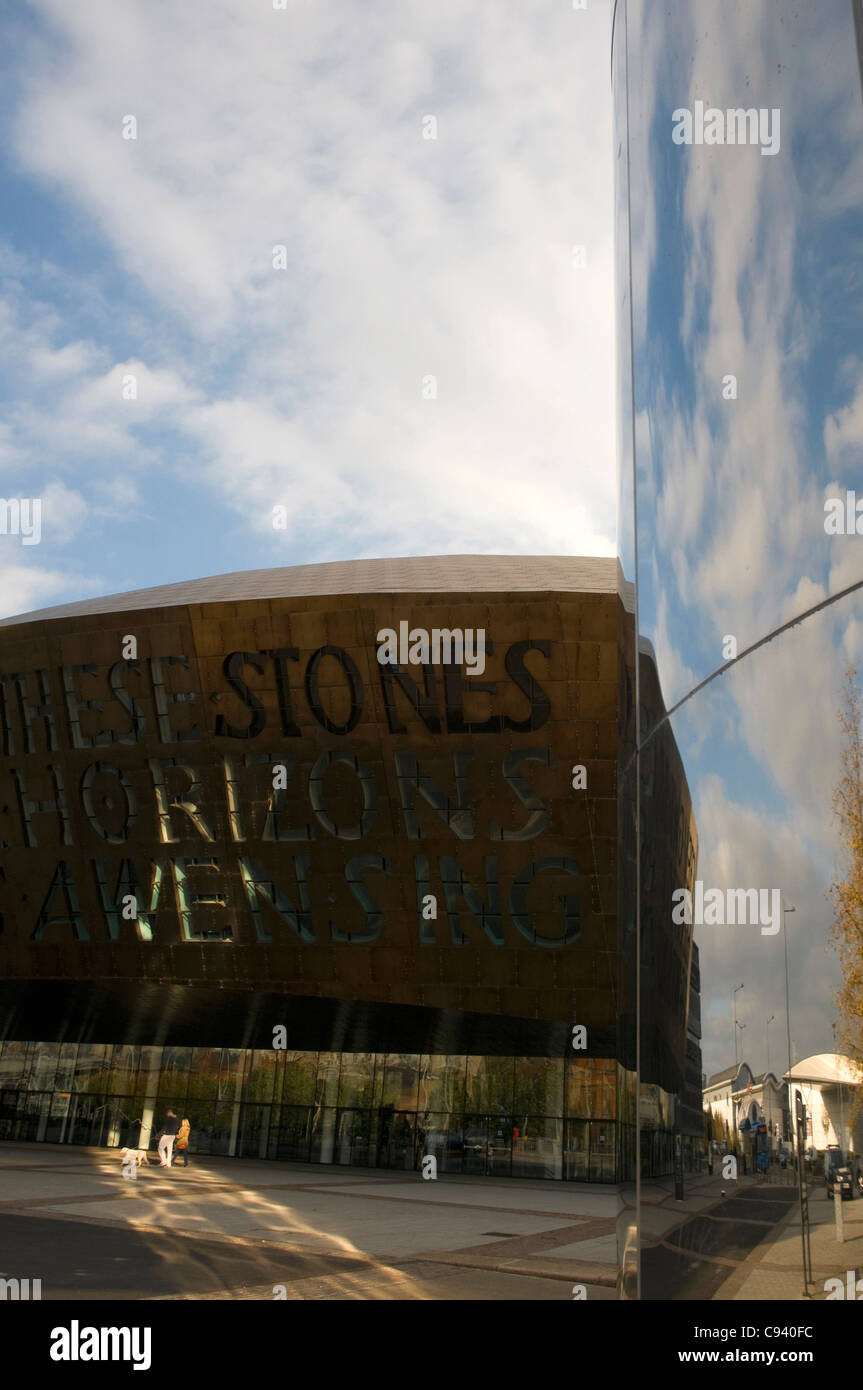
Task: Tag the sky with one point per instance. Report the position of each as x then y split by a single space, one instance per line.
423 368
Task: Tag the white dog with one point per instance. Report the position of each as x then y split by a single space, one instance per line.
139 1154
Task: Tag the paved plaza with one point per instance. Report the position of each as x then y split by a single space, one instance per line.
775 1270
227 1229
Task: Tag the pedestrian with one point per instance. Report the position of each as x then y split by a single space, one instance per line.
170 1126
183 1141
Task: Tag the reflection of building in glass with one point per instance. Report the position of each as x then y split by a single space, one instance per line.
223 816
669 850
830 1085
670 1021
691 1115
737 1100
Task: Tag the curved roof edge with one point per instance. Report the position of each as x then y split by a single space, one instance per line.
826 1067
417 574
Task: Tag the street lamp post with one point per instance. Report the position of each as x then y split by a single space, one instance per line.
734 994
771 1019
787 1005
788 1020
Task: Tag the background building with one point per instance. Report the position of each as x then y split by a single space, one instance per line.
830 1085
736 1096
334 909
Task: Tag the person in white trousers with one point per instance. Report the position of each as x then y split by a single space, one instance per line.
169 1134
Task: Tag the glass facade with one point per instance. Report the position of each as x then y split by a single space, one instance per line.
739 137
524 1117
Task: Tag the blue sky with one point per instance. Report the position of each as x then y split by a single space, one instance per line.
406 258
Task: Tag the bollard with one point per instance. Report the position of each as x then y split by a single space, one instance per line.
837 1209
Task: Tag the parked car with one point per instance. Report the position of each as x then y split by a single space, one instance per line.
837 1174
476 1142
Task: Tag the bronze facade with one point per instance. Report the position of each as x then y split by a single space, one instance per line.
225 817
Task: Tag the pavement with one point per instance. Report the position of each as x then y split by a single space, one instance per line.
229 1228
775 1270
747 1246
694 1259
233 1228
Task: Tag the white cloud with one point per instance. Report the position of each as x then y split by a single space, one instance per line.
406 257
26 587
63 512
843 432
739 848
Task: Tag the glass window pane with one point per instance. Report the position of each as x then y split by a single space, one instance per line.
254 1131
14 1064
90 1066
174 1071
539 1085
442 1083
300 1074
499 1130
397 1142
204 1074
401 1080
226 1126
327 1085
261 1081
33 1122
577 1151
43 1066
475 1143
123 1070
295 1131
591 1086
537 1147
147 1078
441 1134
323 1136
490 1083
603 1158
201 1117
356 1085
232 1072
57 1112
85 1118
12 1107
354 1138
65 1067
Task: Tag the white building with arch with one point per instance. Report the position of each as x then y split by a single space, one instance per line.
737 1095
829 1084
